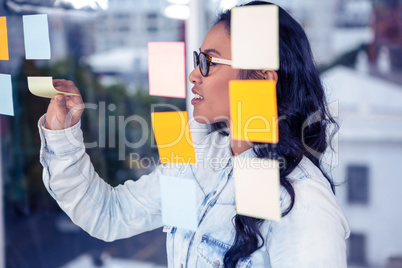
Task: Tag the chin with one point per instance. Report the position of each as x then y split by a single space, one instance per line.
209 118
202 119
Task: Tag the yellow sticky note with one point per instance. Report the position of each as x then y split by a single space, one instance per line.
255 37
253 110
173 137
257 191
3 39
42 86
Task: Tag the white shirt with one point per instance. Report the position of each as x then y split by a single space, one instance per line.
312 235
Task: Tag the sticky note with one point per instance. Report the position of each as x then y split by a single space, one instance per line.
42 86
178 198
166 69
173 137
3 39
253 110
256 184
255 37
36 37
6 92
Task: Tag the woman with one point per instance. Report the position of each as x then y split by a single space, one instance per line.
313 229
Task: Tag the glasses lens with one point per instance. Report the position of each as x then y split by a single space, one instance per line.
195 59
203 64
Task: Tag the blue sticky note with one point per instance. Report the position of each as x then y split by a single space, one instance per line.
179 202
6 93
36 37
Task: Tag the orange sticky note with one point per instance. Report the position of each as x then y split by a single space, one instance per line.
167 69
257 189
3 39
253 110
173 137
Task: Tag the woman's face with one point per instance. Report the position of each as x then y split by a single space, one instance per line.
213 106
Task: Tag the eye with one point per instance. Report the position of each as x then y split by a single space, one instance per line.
212 63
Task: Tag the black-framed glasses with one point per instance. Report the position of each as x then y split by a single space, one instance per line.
204 61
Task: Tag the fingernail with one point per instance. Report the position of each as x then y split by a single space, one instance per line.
60 98
57 87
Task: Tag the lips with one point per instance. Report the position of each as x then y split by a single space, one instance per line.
196 93
197 97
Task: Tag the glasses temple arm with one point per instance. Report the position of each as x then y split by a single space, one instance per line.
221 61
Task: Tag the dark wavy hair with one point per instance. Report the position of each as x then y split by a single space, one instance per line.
304 122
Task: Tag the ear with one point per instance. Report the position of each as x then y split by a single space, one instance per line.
270 75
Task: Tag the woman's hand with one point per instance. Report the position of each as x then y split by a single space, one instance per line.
64 111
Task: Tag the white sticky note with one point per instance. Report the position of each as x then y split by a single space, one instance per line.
42 86
255 37
179 202
167 69
36 37
6 92
257 188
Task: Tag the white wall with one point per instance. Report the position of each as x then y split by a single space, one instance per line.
381 219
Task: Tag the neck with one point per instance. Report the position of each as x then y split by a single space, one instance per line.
239 146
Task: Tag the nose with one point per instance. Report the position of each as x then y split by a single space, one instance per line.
195 76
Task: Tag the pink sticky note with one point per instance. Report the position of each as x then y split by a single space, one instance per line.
166 69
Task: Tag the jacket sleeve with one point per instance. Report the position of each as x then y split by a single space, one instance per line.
105 212
313 234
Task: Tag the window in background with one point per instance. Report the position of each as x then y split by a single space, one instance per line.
357 177
357 249
152 22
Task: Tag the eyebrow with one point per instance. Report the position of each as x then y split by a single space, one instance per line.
209 50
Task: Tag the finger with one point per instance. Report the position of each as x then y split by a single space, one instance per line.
53 103
61 104
69 115
58 81
65 86
63 82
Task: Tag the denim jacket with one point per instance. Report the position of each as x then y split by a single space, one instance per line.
312 235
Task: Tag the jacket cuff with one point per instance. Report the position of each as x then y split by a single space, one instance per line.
61 142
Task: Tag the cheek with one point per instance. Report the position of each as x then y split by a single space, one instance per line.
221 99
222 91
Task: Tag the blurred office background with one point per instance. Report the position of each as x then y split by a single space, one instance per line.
102 46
